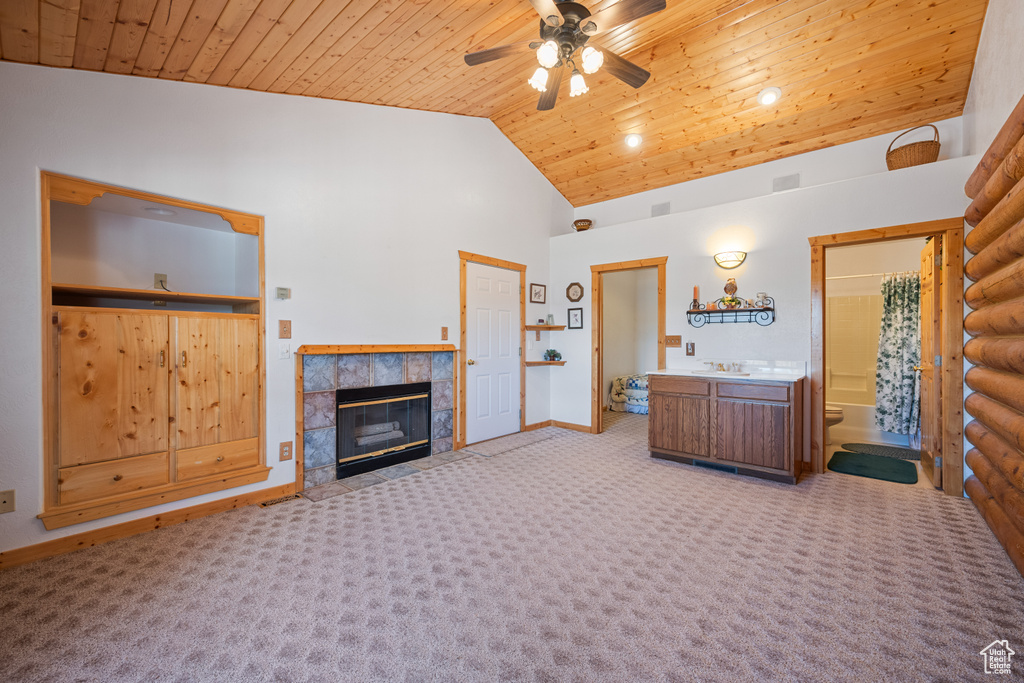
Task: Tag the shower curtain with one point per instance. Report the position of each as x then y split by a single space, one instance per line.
897 385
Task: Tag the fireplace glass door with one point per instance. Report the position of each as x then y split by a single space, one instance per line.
382 426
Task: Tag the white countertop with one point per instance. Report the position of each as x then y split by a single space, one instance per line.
755 370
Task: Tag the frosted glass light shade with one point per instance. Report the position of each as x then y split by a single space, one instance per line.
577 86
539 80
592 60
547 54
730 259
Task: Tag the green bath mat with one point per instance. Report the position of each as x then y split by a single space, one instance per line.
874 467
884 451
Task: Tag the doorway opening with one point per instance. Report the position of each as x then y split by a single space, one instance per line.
842 326
599 387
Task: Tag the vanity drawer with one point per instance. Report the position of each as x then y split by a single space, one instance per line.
221 457
103 479
668 384
756 392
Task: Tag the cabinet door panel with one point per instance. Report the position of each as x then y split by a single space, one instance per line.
679 423
217 382
753 433
113 390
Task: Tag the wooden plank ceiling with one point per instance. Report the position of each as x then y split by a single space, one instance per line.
848 69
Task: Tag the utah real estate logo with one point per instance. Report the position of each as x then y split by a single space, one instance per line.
997 657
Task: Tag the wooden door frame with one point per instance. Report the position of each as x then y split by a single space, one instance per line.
597 326
952 232
464 258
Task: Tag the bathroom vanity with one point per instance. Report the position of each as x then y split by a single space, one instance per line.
748 423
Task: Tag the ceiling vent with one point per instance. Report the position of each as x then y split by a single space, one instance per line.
663 209
786 182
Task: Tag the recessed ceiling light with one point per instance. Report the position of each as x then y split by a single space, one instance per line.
769 96
633 140
159 211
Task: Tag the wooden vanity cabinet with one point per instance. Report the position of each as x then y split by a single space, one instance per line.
753 426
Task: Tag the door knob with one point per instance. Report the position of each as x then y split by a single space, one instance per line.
917 368
470 362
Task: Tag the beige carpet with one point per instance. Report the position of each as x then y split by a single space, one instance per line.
575 558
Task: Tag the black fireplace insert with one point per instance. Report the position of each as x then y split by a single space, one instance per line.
382 426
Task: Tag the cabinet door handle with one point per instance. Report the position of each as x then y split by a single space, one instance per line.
161 359
220 458
118 477
184 359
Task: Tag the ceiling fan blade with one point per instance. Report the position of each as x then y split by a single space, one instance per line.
620 13
548 97
548 12
492 53
624 70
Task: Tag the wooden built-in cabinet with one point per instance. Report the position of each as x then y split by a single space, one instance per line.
146 405
754 426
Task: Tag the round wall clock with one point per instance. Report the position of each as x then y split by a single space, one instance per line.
574 292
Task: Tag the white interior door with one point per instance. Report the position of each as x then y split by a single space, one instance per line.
492 352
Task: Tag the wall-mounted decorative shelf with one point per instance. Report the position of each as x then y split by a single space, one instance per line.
534 363
763 316
544 328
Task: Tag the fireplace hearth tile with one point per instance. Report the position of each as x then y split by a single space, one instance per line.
441 422
325 491
354 371
362 481
452 456
441 445
319 373
319 448
442 365
417 367
396 471
441 395
426 463
388 368
318 476
319 410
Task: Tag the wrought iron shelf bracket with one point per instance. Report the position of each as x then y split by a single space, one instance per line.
701 316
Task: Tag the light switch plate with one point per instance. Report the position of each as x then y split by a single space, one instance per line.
673 341
284 329
284 350
286 451
690 348
160 280
444 334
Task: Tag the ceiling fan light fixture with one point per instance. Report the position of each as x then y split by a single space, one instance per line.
539 80
592 60
577 86
547 54
633 140
769 96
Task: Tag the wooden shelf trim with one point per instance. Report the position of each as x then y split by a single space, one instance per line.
329 349
151 295
545 327
534 363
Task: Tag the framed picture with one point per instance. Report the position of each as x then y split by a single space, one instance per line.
538 293
575 318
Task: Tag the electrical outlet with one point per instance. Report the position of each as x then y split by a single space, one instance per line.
286 451
673 341
160 280
284 329
444 334
690 348
7 501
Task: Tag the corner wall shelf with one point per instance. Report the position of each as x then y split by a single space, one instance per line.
534 363
543 328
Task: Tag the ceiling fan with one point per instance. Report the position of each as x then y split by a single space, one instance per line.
565 28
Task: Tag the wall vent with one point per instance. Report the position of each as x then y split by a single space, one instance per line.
786 182
663 209
275 501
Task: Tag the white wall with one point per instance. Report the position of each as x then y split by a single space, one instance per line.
620 333
997 83
862 259
773 230
829 165
365 207
646 329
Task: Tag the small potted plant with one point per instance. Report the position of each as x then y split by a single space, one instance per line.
552 354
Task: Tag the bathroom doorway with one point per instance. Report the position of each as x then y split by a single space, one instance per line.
861 415
942 424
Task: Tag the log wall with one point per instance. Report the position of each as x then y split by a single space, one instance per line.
996 330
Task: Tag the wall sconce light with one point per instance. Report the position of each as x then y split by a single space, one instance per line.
730 259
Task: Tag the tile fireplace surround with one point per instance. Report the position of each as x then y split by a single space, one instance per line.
324 369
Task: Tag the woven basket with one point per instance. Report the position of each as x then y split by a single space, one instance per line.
913 154
581 224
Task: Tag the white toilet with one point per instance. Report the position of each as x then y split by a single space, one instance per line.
833 416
